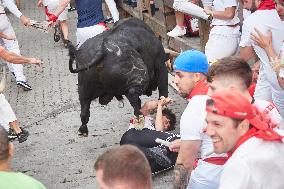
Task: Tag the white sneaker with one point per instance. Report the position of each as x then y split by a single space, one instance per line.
177 31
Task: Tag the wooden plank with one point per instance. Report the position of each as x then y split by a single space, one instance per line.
169 3
184 43
130 10
171 81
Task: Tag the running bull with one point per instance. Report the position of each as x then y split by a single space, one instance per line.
125 60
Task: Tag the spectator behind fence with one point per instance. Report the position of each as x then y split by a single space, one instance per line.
123 167
255 149
8 178
225 25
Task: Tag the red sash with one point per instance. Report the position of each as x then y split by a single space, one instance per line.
201 88
266 5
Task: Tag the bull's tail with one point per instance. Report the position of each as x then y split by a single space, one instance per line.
72 54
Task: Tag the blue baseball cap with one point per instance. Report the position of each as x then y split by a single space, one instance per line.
191 61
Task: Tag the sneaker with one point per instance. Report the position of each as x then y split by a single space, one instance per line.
23 135
24 85
11 134
72 9
177 31
109 20
13 74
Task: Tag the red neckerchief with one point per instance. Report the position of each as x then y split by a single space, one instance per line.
266 5
201 88
267 134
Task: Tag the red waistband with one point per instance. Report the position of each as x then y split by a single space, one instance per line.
103 24
216 160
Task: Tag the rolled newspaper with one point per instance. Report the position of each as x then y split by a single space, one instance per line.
42 26
163 142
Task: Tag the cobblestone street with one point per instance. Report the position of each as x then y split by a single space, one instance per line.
54 154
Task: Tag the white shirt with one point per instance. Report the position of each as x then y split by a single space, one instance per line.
11 6
192 123
51 3
264 20
256 164
269 111
221 5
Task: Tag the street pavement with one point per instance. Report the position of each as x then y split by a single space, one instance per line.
54 154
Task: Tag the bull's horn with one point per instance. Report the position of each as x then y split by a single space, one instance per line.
3 81
98 57
171 52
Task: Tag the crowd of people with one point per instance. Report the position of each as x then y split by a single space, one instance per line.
231 132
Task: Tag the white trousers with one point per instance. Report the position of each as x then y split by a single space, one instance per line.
7 115
88 32
113 10
12 46
219 46
187 7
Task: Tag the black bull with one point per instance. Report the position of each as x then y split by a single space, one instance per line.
125 60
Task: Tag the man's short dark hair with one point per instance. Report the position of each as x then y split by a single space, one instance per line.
231 67
125 164
171 116
4 144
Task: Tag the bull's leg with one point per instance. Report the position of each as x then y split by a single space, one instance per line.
85 115
135 102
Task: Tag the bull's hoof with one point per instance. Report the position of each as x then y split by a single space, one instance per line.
83 131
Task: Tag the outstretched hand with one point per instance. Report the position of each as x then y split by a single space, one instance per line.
164 101
25 21
35 61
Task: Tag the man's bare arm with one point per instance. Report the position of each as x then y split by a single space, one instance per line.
185 161
4 36
17 59
247 53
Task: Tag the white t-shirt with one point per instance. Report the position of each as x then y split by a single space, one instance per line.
264 20
256 164
51 4
221 5
268 110
192 123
